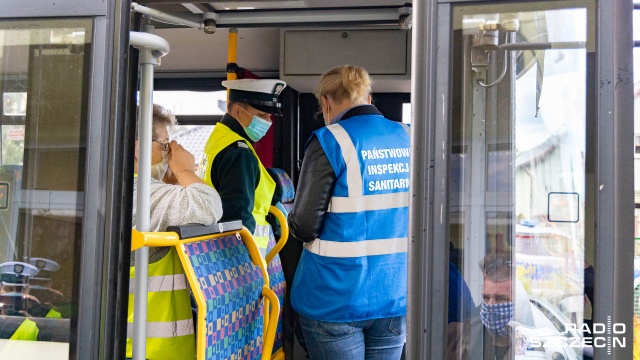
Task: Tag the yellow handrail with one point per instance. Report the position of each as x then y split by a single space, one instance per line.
284 233
152 239
232 51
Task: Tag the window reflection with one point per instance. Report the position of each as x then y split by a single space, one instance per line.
518 180
43 78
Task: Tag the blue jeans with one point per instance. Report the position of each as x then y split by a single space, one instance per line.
379 339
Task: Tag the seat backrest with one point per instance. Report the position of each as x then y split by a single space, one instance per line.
285 186
229 281
232 288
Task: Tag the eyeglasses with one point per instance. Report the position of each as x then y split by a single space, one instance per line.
165 145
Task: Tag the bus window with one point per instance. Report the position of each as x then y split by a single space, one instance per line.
43 80
192 102
196 113
193 138
518 182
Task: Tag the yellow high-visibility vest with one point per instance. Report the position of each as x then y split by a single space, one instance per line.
170 332
221 137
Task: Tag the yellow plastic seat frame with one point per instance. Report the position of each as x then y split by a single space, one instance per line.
271 303
284 236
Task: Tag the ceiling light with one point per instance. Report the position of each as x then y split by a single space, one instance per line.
253 5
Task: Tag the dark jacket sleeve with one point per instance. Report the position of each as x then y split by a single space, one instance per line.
315 187
235 174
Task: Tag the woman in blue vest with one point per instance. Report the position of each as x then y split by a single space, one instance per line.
351 212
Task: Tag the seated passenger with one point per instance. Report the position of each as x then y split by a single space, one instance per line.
170 330
503 299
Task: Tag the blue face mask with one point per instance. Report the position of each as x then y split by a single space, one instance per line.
257 128
495 317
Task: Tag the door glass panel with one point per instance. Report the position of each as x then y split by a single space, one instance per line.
521 280
636 182
44 67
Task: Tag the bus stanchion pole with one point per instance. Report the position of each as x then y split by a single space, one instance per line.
149 57
232 50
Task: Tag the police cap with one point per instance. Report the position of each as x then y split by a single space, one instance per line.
261 94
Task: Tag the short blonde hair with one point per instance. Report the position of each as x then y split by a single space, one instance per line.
351 83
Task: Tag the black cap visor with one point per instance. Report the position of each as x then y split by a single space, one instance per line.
271 108
261 101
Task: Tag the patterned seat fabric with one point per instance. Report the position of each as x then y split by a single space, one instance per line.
278 285
285 186
232 287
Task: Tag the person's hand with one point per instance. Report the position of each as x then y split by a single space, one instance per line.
180 159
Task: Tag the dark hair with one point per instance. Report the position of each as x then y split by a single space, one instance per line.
497 267
160 117
231 104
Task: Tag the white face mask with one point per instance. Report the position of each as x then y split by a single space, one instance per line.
160 169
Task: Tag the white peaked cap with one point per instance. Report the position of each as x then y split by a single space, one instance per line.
262 94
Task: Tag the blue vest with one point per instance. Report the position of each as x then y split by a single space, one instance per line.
357 268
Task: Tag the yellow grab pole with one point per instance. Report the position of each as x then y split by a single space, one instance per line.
232 51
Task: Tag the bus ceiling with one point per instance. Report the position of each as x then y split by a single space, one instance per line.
208 16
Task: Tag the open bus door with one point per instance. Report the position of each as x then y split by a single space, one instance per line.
522 116
62 255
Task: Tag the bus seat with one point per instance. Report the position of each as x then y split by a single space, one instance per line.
229 280
284 186
276 274
278 285
289 255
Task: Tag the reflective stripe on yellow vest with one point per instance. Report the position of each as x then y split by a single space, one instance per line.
220 138
170 333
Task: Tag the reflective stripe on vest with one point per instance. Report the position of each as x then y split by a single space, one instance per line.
221 137
163 283
356 202
341 249
170 332
261 238
165 329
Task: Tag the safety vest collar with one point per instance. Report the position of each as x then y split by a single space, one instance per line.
366 109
